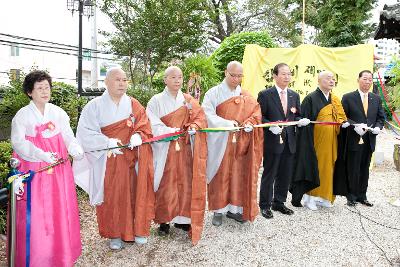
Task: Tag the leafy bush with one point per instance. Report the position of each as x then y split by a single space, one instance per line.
142 94
204 67
65 96
158 81
232 48
5 155
62 95
13 100
394 92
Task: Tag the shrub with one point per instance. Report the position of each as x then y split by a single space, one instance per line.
13 100
204 67
142 94
62 95
394 92
65 96
5 155
232 48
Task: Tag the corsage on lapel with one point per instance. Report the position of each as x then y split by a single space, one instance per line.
50 126
293 110
131 121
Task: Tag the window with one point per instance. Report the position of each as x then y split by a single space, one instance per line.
14 51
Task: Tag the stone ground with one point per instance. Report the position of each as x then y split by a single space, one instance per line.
338 236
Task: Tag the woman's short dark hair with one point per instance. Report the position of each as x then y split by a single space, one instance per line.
32 78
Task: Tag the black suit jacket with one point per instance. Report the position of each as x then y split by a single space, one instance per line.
272 110
354 110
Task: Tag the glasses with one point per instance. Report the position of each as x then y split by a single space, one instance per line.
238 76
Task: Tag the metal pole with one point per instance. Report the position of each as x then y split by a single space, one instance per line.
94 75
11 227
304 20
80 10
14 163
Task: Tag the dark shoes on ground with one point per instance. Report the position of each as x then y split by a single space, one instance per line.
163 230
184 227
235 216
267 213
365 203
282 209
351 203
297 204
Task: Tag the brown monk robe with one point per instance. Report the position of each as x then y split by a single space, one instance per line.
128 206
235 182
182 190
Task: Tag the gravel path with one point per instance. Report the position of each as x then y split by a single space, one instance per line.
325 237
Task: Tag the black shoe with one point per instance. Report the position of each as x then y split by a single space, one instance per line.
235 216
267 213
184 227
351 203
283 209
163 230
297 204
365 202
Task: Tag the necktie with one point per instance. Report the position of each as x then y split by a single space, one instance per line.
282 96
365 103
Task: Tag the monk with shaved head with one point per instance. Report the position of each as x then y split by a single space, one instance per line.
179 165
317 146
234 157
119 180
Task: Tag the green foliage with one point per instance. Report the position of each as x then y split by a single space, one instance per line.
142 94
158 81
62 95
229 17
394 91
5 155
232 48
204 67
65 96
13 99
337 22
151 32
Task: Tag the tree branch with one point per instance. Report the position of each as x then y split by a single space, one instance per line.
245 21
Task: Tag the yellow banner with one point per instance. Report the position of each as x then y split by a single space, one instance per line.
306 61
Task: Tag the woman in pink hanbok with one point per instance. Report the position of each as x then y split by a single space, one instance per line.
40 135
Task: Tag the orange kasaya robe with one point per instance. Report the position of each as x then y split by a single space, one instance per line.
236 179
128 206
182 190
325 145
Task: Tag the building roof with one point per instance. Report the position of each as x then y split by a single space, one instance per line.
389 23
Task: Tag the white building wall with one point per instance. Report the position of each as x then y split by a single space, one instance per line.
385 49
55 23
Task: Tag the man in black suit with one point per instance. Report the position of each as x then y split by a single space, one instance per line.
364 110
278 103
